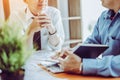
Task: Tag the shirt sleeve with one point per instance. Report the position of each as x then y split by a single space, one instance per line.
57 23
107 66
94 37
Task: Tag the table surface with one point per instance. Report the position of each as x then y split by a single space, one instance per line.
38 72
81 77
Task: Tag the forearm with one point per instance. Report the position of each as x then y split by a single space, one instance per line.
107 66
58 27
53 38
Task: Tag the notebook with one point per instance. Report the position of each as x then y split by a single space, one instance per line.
89 50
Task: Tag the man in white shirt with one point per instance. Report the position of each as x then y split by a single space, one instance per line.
38 16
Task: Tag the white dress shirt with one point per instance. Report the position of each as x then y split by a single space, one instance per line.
23 19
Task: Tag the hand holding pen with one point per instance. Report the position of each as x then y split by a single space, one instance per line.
69 62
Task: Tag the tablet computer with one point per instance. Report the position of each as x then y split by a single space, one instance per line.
89 50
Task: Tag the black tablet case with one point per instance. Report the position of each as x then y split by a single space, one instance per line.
90 50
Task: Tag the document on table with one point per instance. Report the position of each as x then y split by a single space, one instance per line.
39 74
43 57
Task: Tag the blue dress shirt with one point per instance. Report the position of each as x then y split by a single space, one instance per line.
106 31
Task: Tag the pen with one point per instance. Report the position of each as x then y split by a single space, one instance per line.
49 60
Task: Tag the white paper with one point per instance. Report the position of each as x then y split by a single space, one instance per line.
34 72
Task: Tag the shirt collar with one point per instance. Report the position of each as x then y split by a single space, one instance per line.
29 15
119 11
109 13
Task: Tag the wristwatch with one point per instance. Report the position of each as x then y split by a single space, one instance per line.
53 33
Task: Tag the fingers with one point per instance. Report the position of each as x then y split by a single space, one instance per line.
40 17
43 20
42 14
56 56
63 62
64 57
65 53
39 22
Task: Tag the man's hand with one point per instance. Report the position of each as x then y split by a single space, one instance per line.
58 54
41 21
70 62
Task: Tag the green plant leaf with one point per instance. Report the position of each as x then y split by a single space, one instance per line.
13 50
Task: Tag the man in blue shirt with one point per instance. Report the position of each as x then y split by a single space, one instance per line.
106 31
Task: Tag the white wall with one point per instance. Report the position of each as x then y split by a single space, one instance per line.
1 10
63 7
16 5
90 10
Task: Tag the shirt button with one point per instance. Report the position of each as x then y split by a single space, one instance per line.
107 41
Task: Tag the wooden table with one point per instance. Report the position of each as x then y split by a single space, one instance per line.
78 77
81 77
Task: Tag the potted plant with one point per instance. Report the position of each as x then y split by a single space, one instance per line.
13 52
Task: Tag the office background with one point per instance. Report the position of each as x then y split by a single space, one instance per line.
79 16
